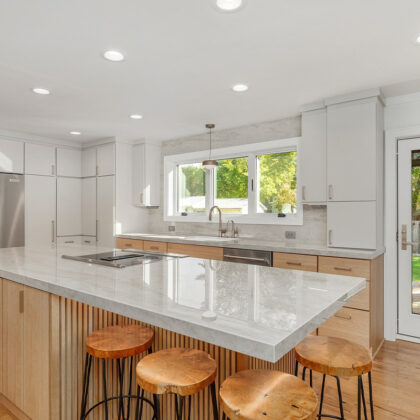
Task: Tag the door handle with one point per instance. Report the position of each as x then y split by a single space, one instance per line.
303 193
52 231
404 242
330 237
97 234
330 192
21 302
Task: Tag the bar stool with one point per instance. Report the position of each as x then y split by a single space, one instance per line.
180 371
114 343
267 395
339 358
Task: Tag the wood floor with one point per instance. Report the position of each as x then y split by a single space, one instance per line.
396 386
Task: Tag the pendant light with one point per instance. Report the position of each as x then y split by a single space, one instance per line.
210 163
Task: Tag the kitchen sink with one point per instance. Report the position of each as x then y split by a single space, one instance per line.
209 239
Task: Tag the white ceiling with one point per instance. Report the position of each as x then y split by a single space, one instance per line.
182 56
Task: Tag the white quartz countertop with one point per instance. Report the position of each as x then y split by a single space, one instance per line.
259 311
258 244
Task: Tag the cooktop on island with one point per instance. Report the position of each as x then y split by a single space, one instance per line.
121 259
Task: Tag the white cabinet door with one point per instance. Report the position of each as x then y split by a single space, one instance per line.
69 162
40 205
69 206
105 211
11 156
313 156
106 159
351 151
89 206
352 224
89 162
39 159
146 175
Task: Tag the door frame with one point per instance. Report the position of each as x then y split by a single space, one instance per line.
392 136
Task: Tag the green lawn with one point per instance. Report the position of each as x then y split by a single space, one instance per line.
416 269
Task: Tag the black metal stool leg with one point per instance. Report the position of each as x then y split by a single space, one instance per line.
224 416
363 397
296 368
340 398
370 395
157 407
322 396
121 368
189 407
310 377
214 399
304 373
104 385
136 416
130 380
180 408
359 397
86 377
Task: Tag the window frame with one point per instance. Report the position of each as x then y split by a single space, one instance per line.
251 151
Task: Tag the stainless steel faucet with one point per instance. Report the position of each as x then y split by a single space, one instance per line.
221 230
234 232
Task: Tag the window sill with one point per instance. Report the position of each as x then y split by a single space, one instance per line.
296 220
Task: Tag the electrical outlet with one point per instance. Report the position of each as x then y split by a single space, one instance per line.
171 228
290 234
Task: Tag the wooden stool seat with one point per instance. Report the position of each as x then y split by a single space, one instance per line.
117 342
333 356
177 370
267 395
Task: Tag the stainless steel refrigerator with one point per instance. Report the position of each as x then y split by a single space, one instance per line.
12 210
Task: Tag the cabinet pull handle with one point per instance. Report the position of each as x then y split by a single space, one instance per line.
303 192
86 241
69 242
342 268
97 235
330 192
128 244
155 248
52 169
299 264
97 170
347 317
21 302
330 237
52 231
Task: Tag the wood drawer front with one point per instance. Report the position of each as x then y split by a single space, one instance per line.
350 324
295 261
155 246
344 266
197 251
361 300
123 243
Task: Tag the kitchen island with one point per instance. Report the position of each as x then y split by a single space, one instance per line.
243 315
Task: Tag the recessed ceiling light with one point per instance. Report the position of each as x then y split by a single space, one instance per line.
229 5
240 87
113 55
75 133
136 116
41 91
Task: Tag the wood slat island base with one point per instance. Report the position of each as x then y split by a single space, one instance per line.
70 324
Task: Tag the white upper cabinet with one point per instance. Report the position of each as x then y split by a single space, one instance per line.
146 175
69 206
313 156
89 206
39 159
11 156
352 150
105 159
353 225
89 162
69 162
40 210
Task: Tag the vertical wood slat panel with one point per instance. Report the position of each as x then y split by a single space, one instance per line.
78 320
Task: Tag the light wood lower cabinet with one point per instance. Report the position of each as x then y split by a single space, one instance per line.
155 246
123 243
26 349
295 261
197 251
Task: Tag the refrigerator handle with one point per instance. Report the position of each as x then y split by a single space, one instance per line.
52 231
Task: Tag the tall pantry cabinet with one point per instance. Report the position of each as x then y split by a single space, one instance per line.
342 167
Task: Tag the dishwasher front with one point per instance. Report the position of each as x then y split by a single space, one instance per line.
248 256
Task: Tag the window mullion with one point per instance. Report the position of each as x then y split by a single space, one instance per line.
252 185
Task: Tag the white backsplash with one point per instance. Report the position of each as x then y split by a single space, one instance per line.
314 228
